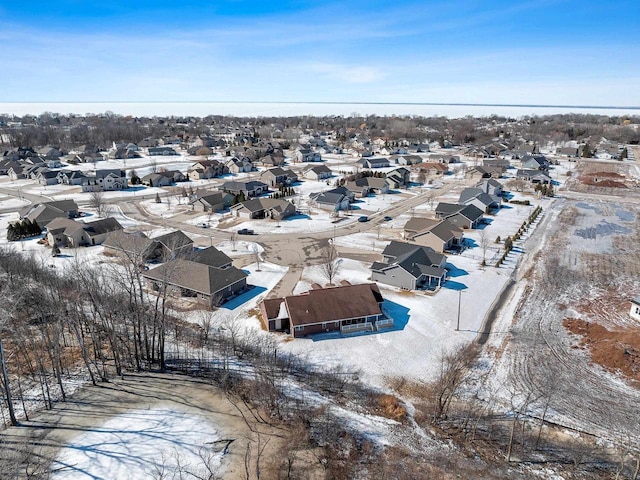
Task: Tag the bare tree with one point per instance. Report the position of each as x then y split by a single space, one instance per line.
7 388
484 245
453 368
331 263
255 253
97 202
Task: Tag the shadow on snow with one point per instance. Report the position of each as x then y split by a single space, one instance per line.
399 313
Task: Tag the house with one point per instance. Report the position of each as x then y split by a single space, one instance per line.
419 147
484 172
479 198
212 256
212 202
406 159
307 155
438 234
490 186
446 159
502 163
105 181
205 169
434 168
248 189
635 309
138 246
359 186
317 172
71 177
239 165
6 165
460 215
123 153
156 180
334 200
533 176
400 177
207 284
373 162
346 308
535 162
50 153
66 232
160 151
163 179
410 267
277 176
274 208
571 152
43 213
271 160
47 177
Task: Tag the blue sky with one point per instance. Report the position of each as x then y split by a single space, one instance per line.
527 52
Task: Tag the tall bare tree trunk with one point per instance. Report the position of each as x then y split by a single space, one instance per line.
7 387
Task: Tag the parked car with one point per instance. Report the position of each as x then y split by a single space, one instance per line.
363 218
387 218
202 225
245 231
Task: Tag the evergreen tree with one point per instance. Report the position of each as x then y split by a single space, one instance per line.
55 251
12 236
508 244
158 199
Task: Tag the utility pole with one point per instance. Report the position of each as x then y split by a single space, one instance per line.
459 303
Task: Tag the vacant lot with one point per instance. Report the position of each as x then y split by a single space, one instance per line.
144 425
587 269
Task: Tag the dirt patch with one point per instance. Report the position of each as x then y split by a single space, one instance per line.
603 181
615 350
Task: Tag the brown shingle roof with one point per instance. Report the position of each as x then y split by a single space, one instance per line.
333 304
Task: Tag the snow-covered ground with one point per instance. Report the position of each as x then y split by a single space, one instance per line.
425 324
152 443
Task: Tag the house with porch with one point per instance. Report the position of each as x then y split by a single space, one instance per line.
105 181
346 308
410 267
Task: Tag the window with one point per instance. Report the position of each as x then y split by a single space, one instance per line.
299 328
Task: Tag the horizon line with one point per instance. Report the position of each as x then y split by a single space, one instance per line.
273 102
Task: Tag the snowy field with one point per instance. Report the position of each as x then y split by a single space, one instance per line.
151 443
